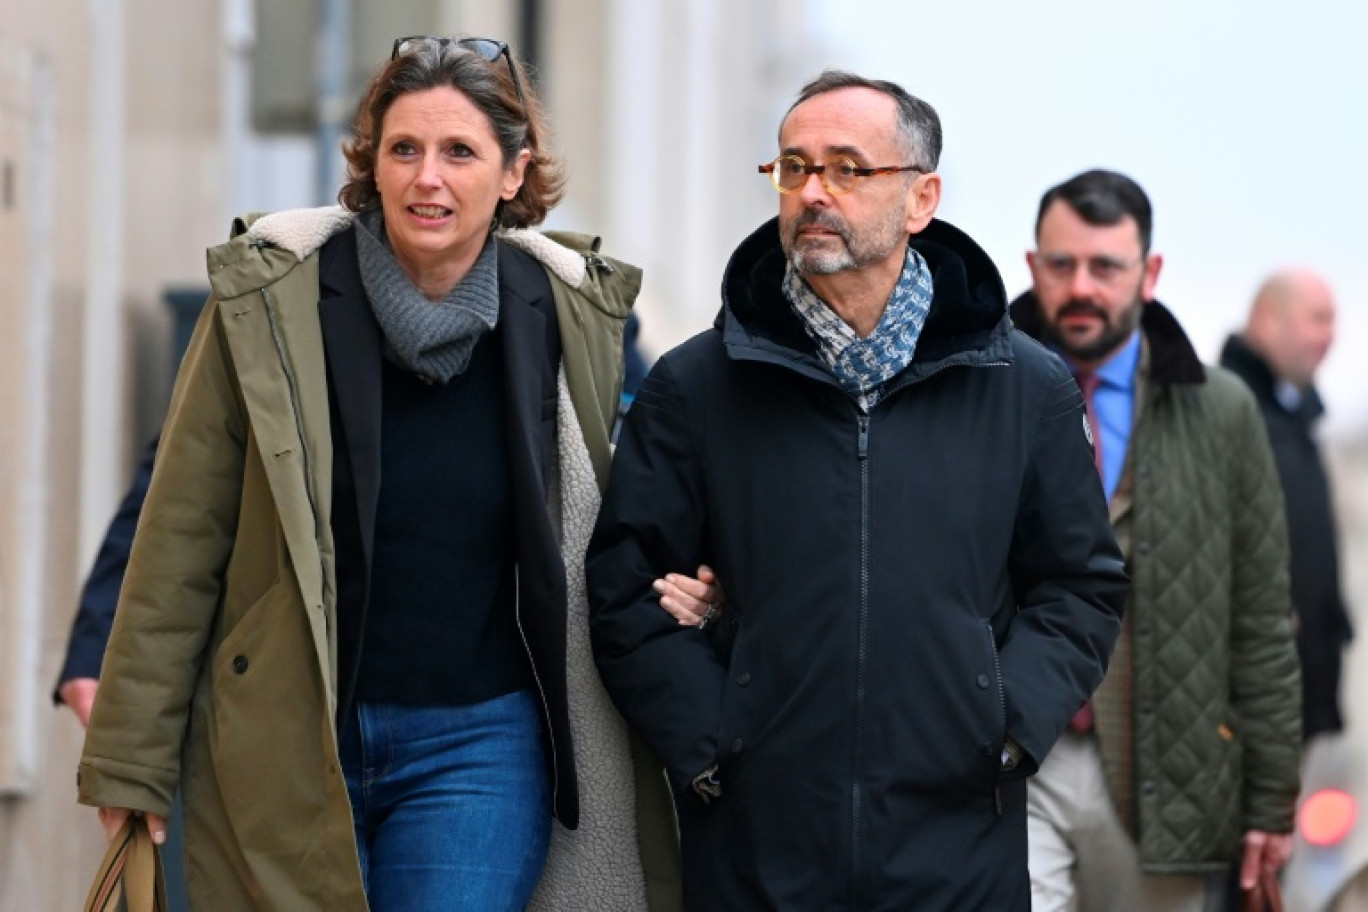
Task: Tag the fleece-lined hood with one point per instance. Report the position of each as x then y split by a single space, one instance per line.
968 318
265 247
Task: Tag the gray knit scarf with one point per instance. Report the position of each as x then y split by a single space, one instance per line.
433 339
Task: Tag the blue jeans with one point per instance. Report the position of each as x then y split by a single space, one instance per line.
451 804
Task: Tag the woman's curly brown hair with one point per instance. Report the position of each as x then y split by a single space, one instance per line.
517 125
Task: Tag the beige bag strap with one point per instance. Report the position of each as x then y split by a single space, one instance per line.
131 869
1266 895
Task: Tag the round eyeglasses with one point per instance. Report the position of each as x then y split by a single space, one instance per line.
790 172
1105 270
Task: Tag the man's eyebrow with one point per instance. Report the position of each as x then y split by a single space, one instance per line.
851 151
844 151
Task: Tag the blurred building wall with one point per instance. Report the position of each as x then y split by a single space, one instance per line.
108 139
663 111
1347 458
126 143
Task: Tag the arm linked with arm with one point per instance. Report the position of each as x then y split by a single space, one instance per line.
665 678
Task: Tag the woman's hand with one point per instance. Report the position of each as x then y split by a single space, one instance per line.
112 819
693 601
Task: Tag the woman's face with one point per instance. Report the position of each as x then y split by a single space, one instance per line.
440 174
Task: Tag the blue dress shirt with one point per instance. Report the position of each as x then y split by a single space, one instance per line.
1114 408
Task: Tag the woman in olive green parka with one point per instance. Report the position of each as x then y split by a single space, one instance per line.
225 673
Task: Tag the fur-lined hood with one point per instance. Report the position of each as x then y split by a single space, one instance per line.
265 247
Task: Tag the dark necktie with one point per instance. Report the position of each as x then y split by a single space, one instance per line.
1088 382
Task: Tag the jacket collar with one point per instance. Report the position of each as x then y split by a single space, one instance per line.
354 340
1172 359
265 247
1250 366
967 322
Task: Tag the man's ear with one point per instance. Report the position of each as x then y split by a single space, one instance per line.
923 199
1153 263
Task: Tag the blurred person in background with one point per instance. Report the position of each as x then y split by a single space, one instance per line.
1290 328
896 492
1186 758
79 678
352 633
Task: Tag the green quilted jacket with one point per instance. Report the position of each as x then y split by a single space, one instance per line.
1216 700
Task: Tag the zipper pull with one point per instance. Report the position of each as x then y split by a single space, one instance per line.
597 262
862 440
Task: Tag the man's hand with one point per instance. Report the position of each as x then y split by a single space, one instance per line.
1263 852
79 694
692 601
112 819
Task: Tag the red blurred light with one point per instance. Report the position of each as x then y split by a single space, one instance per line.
1327 816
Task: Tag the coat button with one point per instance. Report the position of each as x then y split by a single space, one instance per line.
743 678
983 682
1148 787
239 664
738 746
1143 547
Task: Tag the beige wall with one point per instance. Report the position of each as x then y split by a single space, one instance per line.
42 138
145 226
113 123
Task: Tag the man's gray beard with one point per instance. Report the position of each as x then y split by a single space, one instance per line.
856 249
823 261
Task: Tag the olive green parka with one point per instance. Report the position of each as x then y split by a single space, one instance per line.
220 677
1215 680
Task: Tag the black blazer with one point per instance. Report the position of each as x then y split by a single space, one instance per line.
353 344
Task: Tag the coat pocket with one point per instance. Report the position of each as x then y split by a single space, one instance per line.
267 723
940 708
998 688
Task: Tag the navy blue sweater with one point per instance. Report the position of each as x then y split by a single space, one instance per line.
441 629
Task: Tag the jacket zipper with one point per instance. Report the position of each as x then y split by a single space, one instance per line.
305 459
541 691
862 455
1002 702
997 673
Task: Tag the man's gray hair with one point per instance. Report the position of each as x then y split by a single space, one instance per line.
919 127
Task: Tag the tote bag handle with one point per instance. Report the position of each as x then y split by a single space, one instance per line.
131 870
1265 897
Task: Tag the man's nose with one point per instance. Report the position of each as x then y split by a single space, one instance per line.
1082 286
814 191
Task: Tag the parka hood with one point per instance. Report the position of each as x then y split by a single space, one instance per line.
266 247
968 313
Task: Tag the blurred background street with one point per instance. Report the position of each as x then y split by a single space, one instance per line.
132 131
